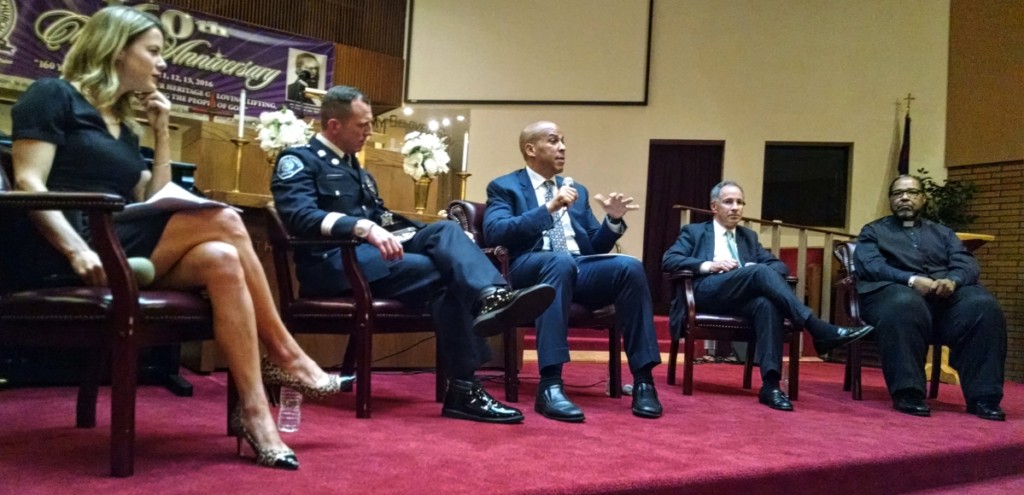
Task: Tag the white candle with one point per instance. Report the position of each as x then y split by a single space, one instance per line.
241 115
465 152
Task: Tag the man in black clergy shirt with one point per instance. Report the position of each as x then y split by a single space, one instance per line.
320 190
915 279
736 276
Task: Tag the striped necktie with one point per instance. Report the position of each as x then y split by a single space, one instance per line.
556 233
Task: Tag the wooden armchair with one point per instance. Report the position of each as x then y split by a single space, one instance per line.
359 315
706 326
848 314
117 320
470 216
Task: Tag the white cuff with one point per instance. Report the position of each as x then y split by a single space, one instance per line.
705 267
328 223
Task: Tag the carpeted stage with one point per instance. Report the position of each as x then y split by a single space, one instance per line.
719 440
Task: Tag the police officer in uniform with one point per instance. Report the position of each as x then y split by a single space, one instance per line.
321 190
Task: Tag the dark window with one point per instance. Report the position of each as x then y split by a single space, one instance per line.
806 184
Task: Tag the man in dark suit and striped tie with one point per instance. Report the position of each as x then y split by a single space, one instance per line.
736 275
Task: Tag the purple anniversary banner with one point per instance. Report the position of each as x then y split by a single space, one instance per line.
210 60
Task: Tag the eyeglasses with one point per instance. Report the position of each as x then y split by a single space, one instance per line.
913 193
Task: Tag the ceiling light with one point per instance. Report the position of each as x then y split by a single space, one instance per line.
446 122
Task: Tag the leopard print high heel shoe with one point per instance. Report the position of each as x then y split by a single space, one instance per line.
275 458
274 375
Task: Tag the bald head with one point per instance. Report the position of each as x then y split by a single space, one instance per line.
533 132
543 148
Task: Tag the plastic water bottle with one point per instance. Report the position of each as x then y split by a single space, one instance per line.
289 415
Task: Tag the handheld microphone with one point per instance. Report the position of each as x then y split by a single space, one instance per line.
568 182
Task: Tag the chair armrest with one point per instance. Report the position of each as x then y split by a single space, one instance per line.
680 275
848 300
499 256
61 201
99 209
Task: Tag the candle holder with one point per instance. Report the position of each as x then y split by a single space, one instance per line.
239 143
463 177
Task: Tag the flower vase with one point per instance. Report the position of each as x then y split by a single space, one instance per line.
422 190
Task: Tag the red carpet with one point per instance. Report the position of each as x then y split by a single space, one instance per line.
717 441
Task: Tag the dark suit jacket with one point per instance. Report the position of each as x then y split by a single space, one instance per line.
696 244
514 219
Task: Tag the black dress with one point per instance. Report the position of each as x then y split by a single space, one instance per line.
88 159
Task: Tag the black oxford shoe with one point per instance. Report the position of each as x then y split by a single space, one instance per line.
645 401
912 405
503 309
552 403
843 336
466 399
774 398
986 410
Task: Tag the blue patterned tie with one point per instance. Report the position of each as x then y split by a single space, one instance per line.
730 240
556 233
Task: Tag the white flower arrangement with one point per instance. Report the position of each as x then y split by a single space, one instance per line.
281 129
425 155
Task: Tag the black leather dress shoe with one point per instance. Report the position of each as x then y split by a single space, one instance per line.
911 404
466 399
502 309
645 401
774 398
843 336
552 403
986 410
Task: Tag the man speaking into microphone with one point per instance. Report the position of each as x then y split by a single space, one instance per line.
547 224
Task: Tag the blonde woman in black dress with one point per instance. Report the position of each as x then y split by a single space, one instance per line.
77 133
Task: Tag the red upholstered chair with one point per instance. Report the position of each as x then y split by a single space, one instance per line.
359 315
706 326
847 313
470 216
115 321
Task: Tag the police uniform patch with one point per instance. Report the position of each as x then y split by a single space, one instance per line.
288 166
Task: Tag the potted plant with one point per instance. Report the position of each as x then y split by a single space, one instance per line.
948 202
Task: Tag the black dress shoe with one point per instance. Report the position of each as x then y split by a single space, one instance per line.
774 398
911 404
985 409
645 401
843 336
502 309
552 403
466 399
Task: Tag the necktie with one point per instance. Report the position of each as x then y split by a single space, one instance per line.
730 240
556 233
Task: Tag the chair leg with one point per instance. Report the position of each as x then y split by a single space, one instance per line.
615 362
847 371
364 342
673 355
348 361
748 366
233 401
688 365
88 390
855 370
124 377
933 387
794 367
511 347
440 381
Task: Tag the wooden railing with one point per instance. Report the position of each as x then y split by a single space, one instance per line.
775 246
